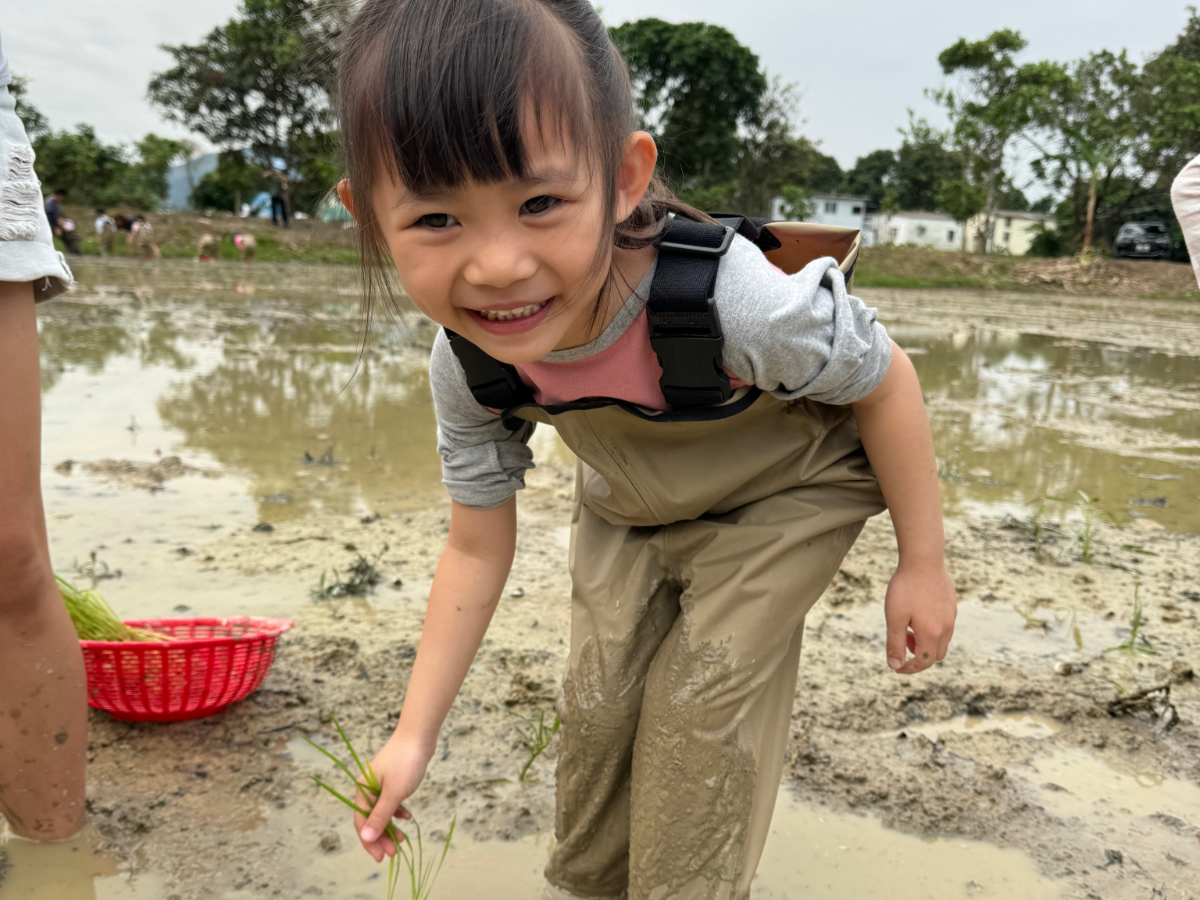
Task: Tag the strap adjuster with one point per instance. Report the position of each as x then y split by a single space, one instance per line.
694 250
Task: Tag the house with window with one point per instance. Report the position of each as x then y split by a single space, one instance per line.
829 209
937 231
1011 232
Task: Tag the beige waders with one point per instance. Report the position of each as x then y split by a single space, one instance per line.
697 549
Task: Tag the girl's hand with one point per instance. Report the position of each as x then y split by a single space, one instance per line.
399 767
920 609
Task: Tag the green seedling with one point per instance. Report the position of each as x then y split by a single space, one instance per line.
362 575
1130 644
410 853
1031 620
94 619
536 736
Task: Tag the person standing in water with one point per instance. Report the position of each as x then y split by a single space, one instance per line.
43 699
735 426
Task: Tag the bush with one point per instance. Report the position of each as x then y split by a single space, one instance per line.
1046 243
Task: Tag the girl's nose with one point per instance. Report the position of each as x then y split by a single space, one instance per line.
499 261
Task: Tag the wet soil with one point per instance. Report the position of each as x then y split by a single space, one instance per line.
1000 772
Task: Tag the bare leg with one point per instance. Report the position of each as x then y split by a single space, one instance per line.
43 704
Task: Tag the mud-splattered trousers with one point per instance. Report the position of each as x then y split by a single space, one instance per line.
697 549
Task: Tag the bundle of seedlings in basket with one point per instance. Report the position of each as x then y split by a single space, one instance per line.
95 620
409 852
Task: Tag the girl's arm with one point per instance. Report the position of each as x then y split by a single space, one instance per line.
920 597
466 589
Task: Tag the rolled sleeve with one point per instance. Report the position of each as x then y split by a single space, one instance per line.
801 335
27 251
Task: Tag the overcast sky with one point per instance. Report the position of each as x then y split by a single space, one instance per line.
860 63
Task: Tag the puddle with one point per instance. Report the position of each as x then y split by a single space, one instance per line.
71 870
1017 417
1076 783
812 852
1018 725
1000 632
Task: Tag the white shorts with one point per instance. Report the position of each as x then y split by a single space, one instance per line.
27 251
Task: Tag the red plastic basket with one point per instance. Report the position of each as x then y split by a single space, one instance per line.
210 664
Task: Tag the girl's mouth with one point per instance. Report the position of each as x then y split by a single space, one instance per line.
511 321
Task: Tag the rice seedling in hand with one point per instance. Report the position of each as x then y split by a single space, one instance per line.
95 620
536 736
410 853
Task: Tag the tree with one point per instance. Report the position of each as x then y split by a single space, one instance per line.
225 187
1093 140
696 87
35 123
995 101
870 177
923 165
772 156
97 173
258 83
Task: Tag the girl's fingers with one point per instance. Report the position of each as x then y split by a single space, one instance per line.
897 642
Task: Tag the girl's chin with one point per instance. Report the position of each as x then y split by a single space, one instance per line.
503 328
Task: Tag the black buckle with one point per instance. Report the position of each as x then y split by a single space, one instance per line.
693 250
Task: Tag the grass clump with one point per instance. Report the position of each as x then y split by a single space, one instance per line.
94 619
410 854
536 736
362 575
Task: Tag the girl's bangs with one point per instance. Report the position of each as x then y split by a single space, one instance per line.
458 105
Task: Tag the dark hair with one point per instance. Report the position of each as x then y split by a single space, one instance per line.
61 191
435 93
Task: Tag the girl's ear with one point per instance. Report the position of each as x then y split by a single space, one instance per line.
633 177
346 196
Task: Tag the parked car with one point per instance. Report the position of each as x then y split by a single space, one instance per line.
1148 240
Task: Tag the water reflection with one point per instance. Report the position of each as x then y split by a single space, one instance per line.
245 369
1017 417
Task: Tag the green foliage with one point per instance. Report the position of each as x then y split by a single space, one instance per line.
258 82
99 174
993 101
409 853
31 117
870 177
233 181
536 736
923 166
797 203
1046 242
772 155
695 87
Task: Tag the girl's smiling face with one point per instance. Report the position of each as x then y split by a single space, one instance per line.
516 266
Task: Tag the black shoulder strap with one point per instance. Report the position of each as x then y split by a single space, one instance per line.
685 330
493 384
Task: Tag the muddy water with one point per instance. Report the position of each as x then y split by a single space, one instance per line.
72 870
811 852
1018 417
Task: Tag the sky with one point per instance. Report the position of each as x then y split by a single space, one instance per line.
860 64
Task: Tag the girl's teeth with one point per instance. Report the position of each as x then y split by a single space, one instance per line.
510 314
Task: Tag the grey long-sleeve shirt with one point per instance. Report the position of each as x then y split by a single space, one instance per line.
786 334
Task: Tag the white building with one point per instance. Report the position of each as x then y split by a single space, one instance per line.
1012 232
829 209
938 231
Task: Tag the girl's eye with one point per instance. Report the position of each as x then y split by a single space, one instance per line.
538 205
437 221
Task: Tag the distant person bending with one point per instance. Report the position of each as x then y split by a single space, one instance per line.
106 231
247 244
1185 197
141 239
208 247
54 210
43 689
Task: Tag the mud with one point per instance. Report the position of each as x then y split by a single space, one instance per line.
998 773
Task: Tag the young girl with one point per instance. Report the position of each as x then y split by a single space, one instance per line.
715 404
